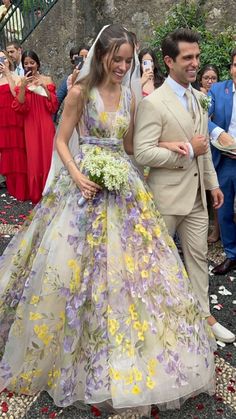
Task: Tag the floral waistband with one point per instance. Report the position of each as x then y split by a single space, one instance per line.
113 143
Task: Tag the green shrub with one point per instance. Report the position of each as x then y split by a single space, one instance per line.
215 47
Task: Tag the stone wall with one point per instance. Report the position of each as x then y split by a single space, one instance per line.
74 22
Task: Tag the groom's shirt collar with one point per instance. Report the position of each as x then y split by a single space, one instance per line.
176 87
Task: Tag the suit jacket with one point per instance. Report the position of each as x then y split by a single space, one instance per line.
174 179
220 111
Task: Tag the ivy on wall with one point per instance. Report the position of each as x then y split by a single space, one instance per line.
215 47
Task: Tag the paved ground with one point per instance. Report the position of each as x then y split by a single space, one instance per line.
222 405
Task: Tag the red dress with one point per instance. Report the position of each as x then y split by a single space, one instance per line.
39 133
13 163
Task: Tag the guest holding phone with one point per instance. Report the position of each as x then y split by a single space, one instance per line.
78 60
36 100
151 75
13 163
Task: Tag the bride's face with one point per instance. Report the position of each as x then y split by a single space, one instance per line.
117 64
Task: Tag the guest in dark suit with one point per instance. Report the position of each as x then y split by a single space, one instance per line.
222 128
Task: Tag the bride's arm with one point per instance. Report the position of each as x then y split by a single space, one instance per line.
176 146
70 118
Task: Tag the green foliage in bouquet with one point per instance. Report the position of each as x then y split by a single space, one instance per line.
216 47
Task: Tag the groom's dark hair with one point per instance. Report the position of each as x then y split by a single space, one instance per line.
170 44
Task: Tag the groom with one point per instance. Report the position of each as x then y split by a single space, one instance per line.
173 113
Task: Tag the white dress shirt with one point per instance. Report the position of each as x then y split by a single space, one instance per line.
19 70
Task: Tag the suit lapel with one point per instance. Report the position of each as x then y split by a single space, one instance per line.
178 111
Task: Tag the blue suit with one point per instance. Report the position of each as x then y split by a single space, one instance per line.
221 112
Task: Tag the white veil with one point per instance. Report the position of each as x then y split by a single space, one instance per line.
129 80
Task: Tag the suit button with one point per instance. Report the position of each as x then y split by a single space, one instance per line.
195 174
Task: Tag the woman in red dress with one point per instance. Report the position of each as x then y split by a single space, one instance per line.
13 163
36 100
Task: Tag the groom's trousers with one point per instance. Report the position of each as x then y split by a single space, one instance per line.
193 230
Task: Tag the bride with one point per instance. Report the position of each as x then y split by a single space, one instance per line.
95 304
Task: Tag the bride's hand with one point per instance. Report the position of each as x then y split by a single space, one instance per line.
176 146
87 187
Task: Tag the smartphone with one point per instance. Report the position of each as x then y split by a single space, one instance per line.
2 60
79 61
147 65
27 70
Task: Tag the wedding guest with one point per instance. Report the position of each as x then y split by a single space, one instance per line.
36 100
151 75
69 80
208 75
14 50
60 297
222 128
13 162
14 21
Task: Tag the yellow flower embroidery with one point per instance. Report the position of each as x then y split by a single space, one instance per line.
119 338
90 240
146 258
113 326
137 374
150 383
23 243
144 274
75 280
27 376
143 196
129 379
34 299
157 231
128 348
152 363
42 333
103 117
137 325
140 336
136 390
53 375
115 374
35 316
129 263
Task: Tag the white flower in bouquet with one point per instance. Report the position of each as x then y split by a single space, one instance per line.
106 170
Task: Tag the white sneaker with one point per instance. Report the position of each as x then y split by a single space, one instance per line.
222 334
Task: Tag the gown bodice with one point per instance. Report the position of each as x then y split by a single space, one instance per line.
101 127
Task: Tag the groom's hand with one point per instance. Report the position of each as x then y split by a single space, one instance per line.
200 145
217 197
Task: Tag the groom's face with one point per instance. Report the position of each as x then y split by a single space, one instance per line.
185 66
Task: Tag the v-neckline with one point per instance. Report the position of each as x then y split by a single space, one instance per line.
119 103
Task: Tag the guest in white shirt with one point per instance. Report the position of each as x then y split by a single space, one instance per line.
15 51
15 24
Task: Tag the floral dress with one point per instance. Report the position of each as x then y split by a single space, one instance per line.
95 304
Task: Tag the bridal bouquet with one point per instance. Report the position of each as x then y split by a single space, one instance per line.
105 170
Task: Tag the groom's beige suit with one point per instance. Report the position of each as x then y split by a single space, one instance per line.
178 182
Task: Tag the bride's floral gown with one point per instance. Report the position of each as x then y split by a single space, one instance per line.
95 303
